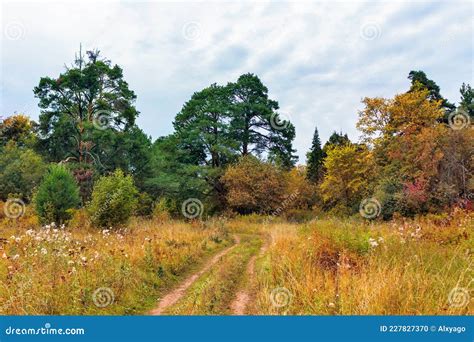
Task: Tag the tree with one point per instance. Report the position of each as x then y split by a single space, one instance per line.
256 124
407 138
254 186
336 139
176 171
349 170
467 100
419 81
114 200
21 170
91 94
203 127
315 158
18 128
57 194
300 192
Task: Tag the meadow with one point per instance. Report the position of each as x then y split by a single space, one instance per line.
221 217
267 265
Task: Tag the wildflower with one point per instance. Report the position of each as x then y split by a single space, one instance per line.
30 232
4 256
373 243
332 305
84 259
44 251
70 262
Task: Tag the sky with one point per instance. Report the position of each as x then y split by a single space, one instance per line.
319 59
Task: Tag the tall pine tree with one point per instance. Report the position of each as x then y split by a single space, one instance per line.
315 158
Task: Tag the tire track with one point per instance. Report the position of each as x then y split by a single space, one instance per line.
242 298
174 296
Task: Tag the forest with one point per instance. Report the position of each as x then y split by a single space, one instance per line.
99 218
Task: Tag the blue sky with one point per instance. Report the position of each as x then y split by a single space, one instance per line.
318 58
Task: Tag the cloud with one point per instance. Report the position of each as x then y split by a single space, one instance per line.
318 59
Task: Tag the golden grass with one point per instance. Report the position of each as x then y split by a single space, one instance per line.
328 266
335 266
49 270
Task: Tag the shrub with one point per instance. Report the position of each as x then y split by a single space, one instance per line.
57 194
254 186
21 170
114 199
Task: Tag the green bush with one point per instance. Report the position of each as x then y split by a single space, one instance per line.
21 170
57 194
114 200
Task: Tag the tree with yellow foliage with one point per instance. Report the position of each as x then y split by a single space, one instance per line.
349 170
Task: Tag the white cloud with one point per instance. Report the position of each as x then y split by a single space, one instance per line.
310 55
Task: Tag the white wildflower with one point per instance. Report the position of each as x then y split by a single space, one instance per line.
373 243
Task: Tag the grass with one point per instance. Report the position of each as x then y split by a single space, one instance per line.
329 266
49 270
343 267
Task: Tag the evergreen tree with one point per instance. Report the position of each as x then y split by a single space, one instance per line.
420 80
314 158
57 194
467 100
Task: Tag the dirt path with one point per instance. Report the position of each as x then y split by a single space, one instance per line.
175 295
242 298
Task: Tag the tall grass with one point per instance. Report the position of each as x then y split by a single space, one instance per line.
328 266
336 266
81 270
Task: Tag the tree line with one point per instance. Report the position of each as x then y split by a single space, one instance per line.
232 150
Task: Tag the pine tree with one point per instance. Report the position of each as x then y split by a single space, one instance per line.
315 158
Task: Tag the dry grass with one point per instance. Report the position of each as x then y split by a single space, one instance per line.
326 267
337 266
49 270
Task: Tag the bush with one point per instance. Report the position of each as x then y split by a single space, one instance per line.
21 170
57 194
254 186
114 199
